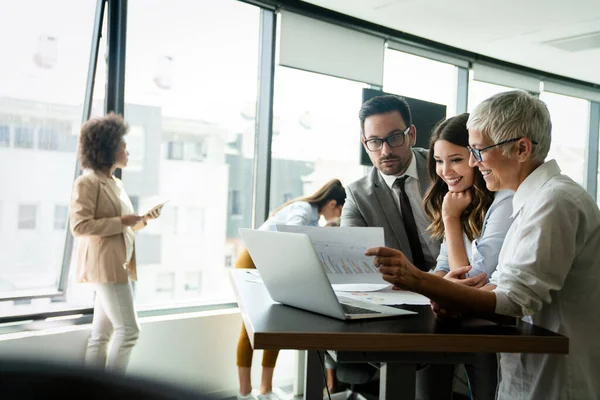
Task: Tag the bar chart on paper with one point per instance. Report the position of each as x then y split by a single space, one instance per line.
341 253
344 259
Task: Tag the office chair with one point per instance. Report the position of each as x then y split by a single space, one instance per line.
29 380
355 374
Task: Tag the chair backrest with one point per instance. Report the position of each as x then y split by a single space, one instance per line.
354 374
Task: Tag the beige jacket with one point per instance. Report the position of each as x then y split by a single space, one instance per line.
95 222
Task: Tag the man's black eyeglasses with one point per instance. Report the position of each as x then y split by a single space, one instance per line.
396 140
477 152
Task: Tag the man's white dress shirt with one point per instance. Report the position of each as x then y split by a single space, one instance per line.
413 191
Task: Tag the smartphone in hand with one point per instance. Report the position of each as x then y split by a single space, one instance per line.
155 208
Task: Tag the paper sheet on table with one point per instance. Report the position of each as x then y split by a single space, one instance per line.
253 276
388 297
342 251
360 287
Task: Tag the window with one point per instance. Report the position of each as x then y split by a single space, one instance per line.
60 217
23 137
236 203
570 129
170 83
175 151
480 91
56 136
44 76
421 78
27 216
47 139
4 136
193 281
308 107
165 282
198 150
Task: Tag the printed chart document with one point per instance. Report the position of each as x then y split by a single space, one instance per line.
342 255
387 297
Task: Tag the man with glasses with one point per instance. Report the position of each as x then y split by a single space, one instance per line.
391 196
548 269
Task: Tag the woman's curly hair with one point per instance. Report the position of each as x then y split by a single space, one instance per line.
99 141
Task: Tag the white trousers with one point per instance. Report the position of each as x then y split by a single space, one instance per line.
114 316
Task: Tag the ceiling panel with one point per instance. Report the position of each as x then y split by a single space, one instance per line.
511 30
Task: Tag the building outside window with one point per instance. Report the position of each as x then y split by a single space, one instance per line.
23 137
4 135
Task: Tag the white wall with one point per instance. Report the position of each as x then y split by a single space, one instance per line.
195 350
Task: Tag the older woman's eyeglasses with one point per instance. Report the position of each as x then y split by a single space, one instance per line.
396 140
477 152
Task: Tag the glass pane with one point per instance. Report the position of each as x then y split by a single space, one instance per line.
190 91
45 49
421 78
316 134
480 91
570 129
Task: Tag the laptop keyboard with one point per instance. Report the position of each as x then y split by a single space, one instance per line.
348 309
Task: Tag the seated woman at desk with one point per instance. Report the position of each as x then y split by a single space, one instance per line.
472 221
304 211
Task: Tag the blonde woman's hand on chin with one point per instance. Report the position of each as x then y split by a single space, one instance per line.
455 203
395 268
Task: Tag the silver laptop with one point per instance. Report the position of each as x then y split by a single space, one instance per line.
293 275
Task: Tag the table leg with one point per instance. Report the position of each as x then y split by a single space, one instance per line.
299 361
313 381
397 381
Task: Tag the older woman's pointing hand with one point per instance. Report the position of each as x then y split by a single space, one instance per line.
395 268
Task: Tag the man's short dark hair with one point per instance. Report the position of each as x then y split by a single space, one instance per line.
384 104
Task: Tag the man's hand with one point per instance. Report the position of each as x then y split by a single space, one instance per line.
455 203
395 268
459 275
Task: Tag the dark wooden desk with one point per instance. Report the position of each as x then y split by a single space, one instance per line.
399 343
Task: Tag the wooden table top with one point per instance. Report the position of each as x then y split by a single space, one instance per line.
272 325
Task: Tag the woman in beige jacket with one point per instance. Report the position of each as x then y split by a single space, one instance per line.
103 221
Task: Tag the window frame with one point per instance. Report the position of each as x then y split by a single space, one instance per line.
116 21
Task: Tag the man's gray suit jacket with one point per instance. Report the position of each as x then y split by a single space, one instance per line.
370 202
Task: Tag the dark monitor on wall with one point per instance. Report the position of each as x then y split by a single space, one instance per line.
424 117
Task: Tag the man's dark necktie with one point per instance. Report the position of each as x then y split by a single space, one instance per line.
410 225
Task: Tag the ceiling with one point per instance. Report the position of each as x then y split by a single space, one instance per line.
560 37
